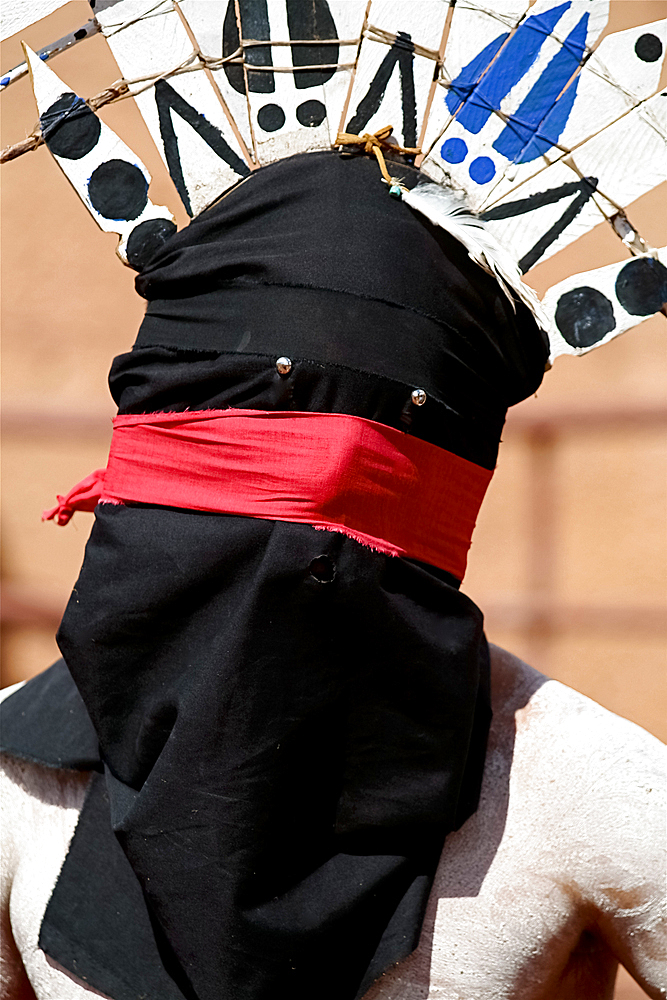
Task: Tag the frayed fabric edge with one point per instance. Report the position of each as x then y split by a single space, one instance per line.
375 544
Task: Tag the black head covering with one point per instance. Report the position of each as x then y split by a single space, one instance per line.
290 723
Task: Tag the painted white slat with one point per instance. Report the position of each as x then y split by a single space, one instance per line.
589 309
541 228
424 23
206 19
473 27
291 118
148 38
613 81
277 131
15 15
597 15
467 157
630 157
349 16
627 159
109 178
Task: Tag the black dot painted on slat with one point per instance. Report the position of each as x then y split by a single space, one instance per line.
146 239
80 33
311 113
584 316
69 127
271 117
118 190
641 286
648 48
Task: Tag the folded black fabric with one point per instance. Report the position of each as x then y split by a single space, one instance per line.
311 256
46 722
287 717
291 723
96 923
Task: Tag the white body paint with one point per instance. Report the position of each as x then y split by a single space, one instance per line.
558 875
569 838
40 809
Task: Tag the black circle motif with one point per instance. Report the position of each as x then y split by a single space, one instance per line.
69 127
118 190
641 286
311 113
271 117
146 239
648 48
584 316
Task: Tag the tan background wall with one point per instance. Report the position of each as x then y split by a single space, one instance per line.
568 559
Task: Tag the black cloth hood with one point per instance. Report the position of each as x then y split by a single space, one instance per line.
325 224
289 723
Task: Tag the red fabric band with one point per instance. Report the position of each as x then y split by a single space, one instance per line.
388 490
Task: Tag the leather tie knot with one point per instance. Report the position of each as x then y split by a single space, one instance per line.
376 142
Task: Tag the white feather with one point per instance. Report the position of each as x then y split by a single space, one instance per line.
444 208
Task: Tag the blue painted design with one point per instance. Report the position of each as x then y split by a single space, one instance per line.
44 56
540 119
551 128
513 62
5 80
454 150
462 87
482 169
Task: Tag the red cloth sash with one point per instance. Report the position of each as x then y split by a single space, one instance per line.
386 489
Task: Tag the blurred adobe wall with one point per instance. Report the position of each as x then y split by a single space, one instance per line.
569 555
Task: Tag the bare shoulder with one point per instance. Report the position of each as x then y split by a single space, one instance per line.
571 793
588 794
556 876
568 739
40 808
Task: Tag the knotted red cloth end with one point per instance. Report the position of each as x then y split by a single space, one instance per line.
386 489
84 496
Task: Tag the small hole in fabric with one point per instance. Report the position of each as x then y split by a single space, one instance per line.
322 569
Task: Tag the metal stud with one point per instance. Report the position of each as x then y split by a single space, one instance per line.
418 397
283 366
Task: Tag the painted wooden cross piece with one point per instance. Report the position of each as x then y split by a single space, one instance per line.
544 125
